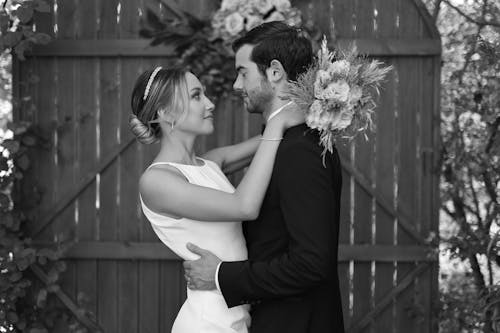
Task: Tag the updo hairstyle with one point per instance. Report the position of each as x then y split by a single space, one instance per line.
168 91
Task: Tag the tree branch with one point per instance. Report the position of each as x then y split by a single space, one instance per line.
436 9
482 22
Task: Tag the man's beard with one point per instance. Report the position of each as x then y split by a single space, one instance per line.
259 99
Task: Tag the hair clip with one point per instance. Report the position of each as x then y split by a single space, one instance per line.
150 82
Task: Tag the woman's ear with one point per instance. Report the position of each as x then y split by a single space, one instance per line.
276 72
164 115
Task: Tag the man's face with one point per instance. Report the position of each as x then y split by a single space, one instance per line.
255 89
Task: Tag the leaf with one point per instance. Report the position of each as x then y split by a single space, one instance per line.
23 162
41 298
41 38
22 47
60 266
16 276
4 201
52 276
24 13
12 38
11 145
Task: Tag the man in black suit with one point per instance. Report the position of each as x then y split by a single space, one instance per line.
290 277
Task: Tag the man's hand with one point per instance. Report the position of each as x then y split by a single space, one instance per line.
200 274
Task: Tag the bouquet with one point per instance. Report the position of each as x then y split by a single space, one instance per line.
236 17
337 93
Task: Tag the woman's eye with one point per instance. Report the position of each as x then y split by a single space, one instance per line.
196 96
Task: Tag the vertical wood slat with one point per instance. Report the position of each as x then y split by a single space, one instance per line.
108 126
130 169
364 156
85 106
408 302
385 175
67 164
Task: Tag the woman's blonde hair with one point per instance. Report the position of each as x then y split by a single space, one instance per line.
167 91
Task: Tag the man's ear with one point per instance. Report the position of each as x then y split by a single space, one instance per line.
276 72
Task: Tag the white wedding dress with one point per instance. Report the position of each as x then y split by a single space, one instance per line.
204 311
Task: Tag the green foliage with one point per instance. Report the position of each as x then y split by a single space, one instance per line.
16 25
470 162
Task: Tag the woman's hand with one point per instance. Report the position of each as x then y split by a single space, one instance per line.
290 116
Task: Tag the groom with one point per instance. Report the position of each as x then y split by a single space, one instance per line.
290 277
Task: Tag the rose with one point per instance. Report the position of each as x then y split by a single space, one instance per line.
294 19
275 16
234 24
339 67
355 94
313 116
282 5
263 6
338 90
230 5
252 22
323 77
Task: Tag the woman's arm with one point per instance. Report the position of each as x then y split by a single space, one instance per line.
237 155
167 192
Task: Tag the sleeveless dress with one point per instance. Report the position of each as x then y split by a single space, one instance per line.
204 311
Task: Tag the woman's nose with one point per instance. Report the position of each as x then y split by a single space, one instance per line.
209 105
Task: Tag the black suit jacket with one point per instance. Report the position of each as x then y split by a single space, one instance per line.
290 276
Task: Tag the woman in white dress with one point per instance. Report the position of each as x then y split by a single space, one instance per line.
187 198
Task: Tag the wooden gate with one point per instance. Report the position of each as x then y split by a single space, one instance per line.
390 199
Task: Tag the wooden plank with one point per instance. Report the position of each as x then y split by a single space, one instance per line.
85 106
141 47
385 182
407 196
402 285
152 250
364 157
129 172
67 164
434 193
107 307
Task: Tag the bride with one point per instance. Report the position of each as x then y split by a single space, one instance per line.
187 198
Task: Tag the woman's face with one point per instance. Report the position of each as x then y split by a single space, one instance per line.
198 118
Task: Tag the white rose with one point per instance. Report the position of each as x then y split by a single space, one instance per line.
338 90
339 67
355 94
234 24
294 19
282 5
275 16
323 77
253 21
314 114
230 5
263 6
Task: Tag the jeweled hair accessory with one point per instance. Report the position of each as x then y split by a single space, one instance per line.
150 82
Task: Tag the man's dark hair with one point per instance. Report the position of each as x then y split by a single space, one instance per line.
277 40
